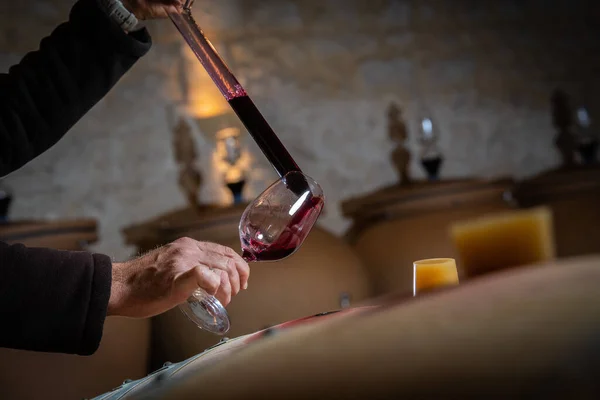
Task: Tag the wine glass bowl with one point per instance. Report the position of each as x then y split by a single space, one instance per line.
272 227
275 225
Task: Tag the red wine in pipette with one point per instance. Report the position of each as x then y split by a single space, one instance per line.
237 97
263 135
267 140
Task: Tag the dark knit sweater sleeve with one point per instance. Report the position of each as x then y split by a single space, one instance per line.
52 300
44 95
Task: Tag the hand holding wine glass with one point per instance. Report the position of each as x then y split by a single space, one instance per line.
165 277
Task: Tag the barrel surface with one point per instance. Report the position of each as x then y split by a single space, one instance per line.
171 373
519 334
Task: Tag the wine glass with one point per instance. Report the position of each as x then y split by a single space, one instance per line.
587 141
431 156
272 227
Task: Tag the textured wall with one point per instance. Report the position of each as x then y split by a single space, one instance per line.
323 73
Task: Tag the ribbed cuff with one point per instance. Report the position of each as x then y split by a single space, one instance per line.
98 305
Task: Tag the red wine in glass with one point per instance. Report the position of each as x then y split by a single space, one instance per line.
258 245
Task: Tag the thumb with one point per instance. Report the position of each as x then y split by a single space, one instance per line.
197 277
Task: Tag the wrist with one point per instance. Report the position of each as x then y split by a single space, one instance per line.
115 302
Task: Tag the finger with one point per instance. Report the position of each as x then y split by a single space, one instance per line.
167 3
157 12
222 263
242 267
207 279
232 274
173 8
224 291
244 273
194 278
228 266
243 270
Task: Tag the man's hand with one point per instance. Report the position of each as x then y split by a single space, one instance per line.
152 9
167 276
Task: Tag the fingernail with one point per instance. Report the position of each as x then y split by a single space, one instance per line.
245 285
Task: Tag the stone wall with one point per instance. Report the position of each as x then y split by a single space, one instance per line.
323 72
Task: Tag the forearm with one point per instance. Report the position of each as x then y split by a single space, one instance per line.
43 96
51 300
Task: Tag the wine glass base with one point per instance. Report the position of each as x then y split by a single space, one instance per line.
207 312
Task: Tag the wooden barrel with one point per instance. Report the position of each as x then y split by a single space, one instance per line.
214 354
323 275
519 334
573 194
123 351
397 225
64 235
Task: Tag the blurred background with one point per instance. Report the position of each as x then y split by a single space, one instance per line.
410 114
323 73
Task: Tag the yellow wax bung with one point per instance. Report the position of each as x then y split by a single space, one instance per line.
501 240
433 273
